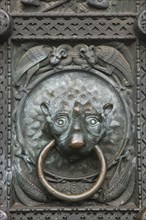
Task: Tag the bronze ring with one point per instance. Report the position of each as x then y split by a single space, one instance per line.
71 197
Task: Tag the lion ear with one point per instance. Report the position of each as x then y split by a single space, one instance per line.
93 48
83 50
45 108
107 108
63 53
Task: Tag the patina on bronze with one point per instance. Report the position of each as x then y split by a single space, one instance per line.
66 197
72 71
78 118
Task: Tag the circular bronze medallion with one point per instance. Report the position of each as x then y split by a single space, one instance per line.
103 117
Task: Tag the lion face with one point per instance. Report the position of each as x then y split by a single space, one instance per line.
78 130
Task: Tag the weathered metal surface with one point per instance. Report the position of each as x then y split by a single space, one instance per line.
72 72
84 111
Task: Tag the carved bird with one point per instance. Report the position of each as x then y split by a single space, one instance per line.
30 62
120 180
111 58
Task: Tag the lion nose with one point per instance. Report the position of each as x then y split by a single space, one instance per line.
77 141
76 127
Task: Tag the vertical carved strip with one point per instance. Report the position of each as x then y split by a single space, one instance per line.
143 119
3 125
139 123
9 71
137 6
8 6
4 153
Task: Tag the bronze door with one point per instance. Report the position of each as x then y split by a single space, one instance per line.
72 109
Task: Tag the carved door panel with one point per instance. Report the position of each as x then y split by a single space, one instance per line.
72 109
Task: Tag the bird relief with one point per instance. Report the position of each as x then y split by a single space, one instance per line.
73 126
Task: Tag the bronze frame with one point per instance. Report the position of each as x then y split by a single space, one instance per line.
127 19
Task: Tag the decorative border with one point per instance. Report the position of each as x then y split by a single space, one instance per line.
138 102
5 123
75 214
70 27
94 213
143 119
5 120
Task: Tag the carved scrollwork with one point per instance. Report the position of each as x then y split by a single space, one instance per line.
77 96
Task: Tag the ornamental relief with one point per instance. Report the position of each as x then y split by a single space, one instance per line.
73 126
74 6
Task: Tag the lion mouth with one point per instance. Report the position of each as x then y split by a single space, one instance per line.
76 155
74 158
73 155
71 165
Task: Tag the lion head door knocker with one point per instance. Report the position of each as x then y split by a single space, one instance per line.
73 127
76 134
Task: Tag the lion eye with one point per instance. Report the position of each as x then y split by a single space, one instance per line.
92 121
61 121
